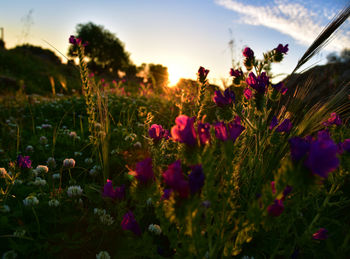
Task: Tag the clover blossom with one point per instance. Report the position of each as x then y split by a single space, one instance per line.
129 223
184 131
74 191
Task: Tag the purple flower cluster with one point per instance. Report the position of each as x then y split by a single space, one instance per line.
231 131
282 49
285 125
248 94
334 119
76 41
202 74
129 223
174 178
224 99
237 76
24 162
156 132
109 191
259 83
320 154
248 53
144 171
204 133
184 131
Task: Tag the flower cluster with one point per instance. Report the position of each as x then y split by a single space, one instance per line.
24 162
109 191
202 74
74 191
144 171
229 131
30 201
334 119
156 132
129 223
224 99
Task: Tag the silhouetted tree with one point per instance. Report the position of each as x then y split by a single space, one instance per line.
105 51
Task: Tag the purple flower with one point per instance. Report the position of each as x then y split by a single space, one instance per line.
184 131
320 234
282 49
299 147
221 131
174 178
273 123
259 83
234 130
236 73
333 120
202 74
248 94
196 179
72 40
144 171
276 208
285 126
129 223
204 133
346 145
248 53
223 100
322 158
157 132
109 191
24 162
280 88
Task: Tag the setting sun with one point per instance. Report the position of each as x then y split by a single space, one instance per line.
175 74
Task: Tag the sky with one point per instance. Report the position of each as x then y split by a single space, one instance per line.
182 34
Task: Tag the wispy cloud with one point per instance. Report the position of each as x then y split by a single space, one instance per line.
292 19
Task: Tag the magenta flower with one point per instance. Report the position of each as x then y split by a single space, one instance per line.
320 234
259 83
248 53
221 131
129 223
285 126
72 40
248 94
24 162
156 132
236 73
276 208
196 179
144 171
237 120
333 120
174 178
282 49
204 133
184 131
223 100
202 74
234 131
117 193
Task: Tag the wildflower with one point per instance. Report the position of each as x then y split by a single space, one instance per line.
94 170
320 234
276 208
29 149
51 162
273 123
156 132
73 134
137 144
322 158
282 49
184 131
30 201
248 94
196 179
204 133
129 223
69 163
106 219
109 191
54 203
78 153
234 130
221 131
236 73
43 140
72 40
39 181
248 53
299 148
42 169
259 83
280 88
154 228
144 171
103 255
202 74
333 120
285 126
56 176
24 162
174 178
223 100
74 191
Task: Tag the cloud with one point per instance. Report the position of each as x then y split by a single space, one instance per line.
292 19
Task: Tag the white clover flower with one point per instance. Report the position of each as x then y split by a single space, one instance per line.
5 208
42 169
54 203
29 149
88 161
51 162
69 163
39 181
43 140
106 219
154 228
19 233
9 255
94 170
78 154
99 212
137 145
74 191
103 255
56 176
73 134
18 181
46 126
30 201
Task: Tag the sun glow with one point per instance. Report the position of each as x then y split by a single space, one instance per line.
175 73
